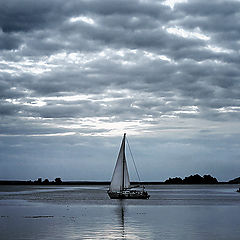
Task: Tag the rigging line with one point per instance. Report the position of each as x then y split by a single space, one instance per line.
133 160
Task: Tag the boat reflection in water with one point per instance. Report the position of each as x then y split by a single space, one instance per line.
120 211
129 223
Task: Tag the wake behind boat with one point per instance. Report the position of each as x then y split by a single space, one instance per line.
120 187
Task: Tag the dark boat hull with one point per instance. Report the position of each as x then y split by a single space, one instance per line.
129 195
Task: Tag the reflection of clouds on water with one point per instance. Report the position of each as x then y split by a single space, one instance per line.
128 227
114 222
93 222
90 214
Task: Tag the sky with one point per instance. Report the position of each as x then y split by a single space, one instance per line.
76 75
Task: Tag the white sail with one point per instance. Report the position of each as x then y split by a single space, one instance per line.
120 178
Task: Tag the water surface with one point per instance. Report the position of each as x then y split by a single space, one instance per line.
85 212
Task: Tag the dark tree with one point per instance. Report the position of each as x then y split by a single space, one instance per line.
193 179
58 180
235 181
197 179
39 181
46 181
176 180
208 179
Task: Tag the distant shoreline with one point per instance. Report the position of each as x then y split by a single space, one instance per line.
11 182
192 179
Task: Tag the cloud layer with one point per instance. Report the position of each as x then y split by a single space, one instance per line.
101 68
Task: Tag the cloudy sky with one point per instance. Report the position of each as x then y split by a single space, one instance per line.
75 75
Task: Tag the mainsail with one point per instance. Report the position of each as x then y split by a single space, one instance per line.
120 178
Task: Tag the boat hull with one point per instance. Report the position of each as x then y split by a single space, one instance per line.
128 195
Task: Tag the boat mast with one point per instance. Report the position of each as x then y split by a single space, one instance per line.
124 161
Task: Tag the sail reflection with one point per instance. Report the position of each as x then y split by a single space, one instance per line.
120 213
128 225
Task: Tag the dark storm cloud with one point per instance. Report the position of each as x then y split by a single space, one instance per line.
209 8
220 19
126 24
9 41
8 109
83 109
27 15
24 128
8 89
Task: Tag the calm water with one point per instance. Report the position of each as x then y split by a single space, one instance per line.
86 212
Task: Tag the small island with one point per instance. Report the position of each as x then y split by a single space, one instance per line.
193 179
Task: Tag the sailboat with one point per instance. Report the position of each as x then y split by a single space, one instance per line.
120 187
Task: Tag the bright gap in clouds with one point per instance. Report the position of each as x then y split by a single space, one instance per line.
171 3
26 65
37 102
187 34
218 49
229 109
153 56
82 19
40 135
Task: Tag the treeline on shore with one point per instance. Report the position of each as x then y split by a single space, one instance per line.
192 179
57 181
